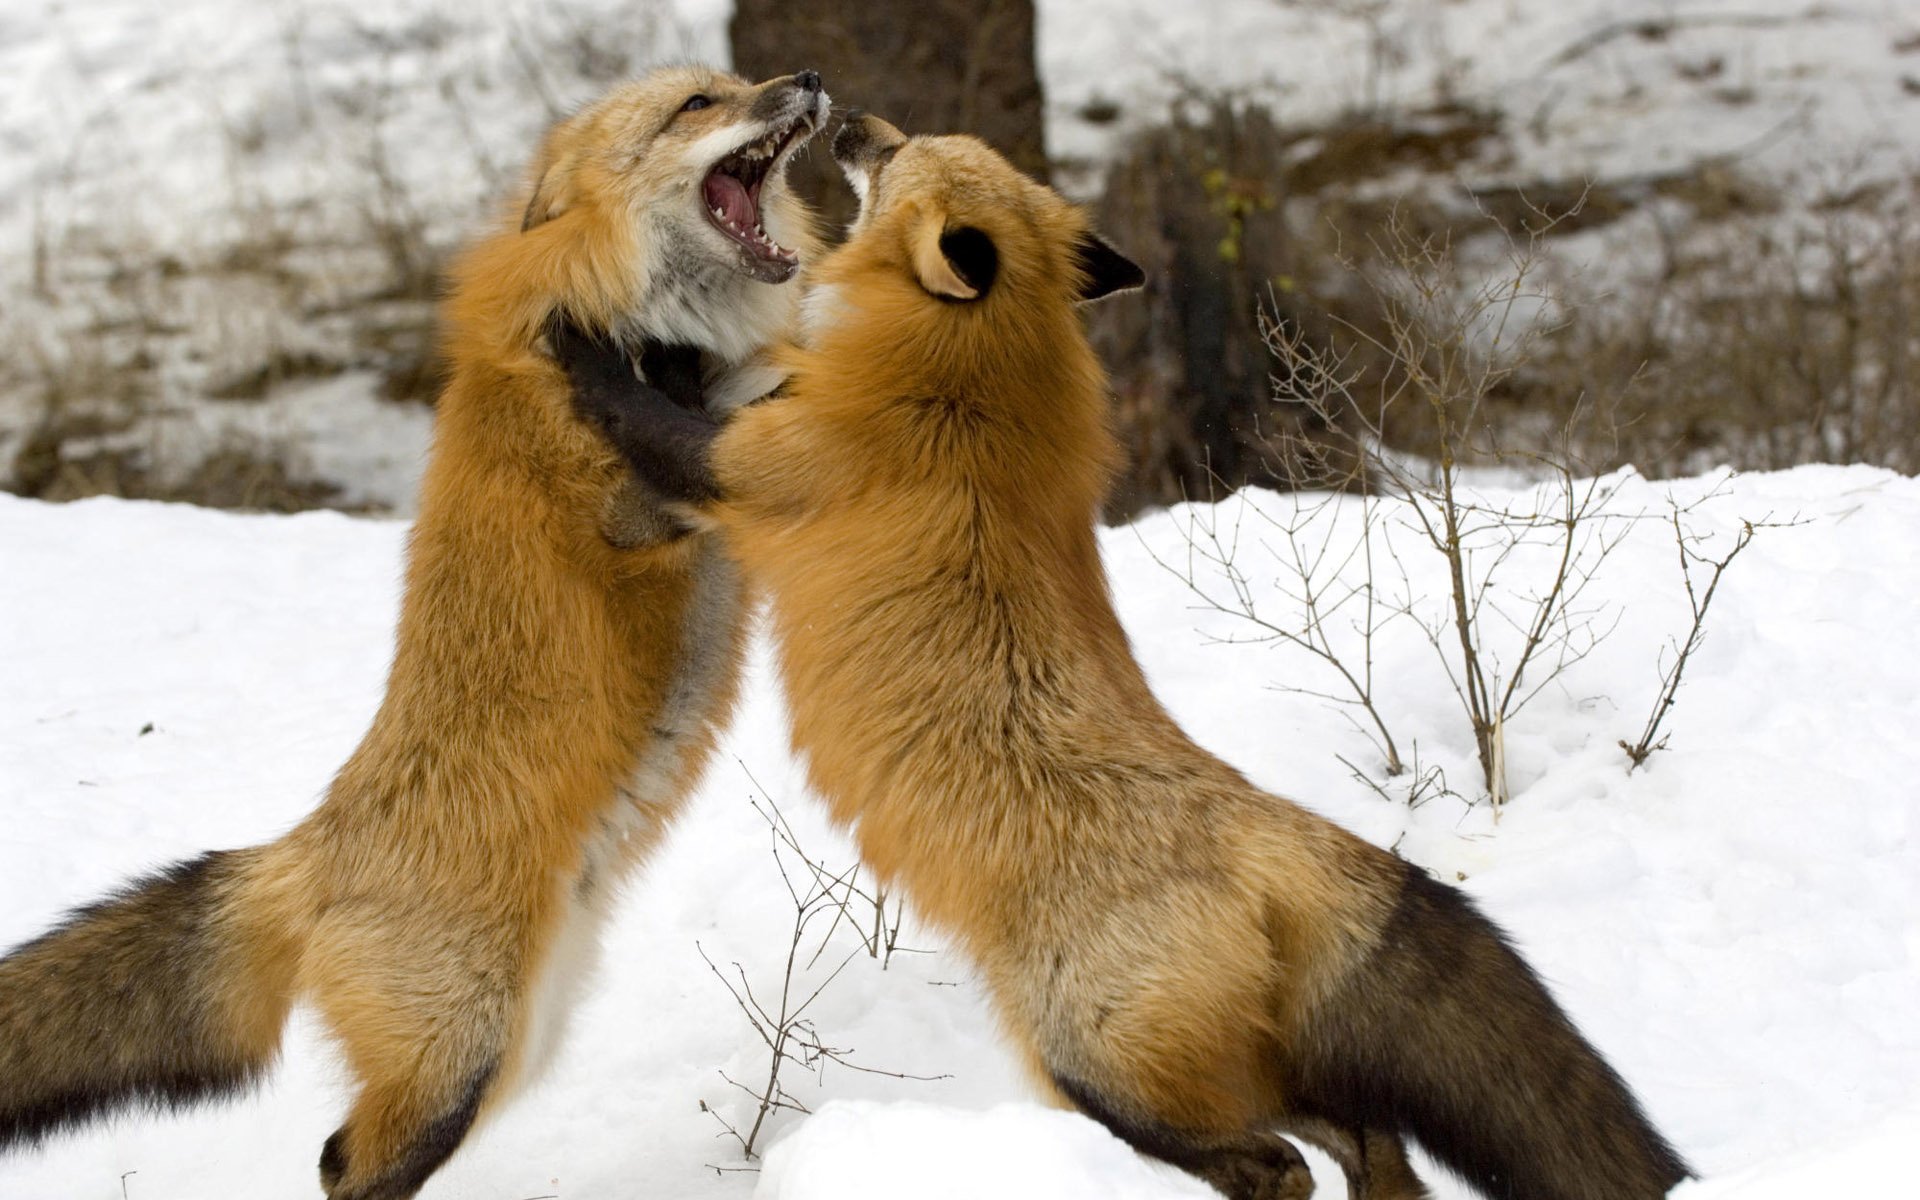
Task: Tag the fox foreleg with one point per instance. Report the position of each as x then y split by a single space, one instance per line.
656 423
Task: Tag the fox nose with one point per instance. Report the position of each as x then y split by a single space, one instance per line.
807 81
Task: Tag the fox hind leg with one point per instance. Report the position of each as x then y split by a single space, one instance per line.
430 1025
422 1090
1374 1162
1242 1166
398 1136
1258 1166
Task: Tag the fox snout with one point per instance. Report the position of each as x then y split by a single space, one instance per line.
780 98
865 142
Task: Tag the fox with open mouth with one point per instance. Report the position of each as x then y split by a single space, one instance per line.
679 201
565 653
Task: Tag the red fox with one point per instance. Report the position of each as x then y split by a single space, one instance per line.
1192 962
563 655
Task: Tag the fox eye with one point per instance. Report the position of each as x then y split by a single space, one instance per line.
695 103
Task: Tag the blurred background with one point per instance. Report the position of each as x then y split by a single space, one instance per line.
1661 232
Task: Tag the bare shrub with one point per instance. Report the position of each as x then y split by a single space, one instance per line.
1320 611
1232 214
80 389
779 1013
1701 569
1453 338
1739 329
1764 343
1514 613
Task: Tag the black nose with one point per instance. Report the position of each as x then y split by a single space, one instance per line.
807 81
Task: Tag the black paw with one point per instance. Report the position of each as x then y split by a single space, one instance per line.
607 387
665 435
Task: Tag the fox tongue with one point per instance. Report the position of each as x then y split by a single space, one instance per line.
729 195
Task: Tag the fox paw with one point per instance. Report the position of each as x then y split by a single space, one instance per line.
1271 1168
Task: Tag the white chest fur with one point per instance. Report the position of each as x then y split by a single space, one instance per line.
638 814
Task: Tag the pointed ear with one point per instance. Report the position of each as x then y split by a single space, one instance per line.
954 264
550 193
1106 270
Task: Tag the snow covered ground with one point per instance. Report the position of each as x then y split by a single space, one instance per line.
1737 925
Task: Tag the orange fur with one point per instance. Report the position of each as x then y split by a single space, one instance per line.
1190 959
552 697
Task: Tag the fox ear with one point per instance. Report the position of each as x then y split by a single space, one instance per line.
956 264
1105 269
549 197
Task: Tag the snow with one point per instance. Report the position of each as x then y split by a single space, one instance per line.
1736 924
855 1149
1594 88
1863 1164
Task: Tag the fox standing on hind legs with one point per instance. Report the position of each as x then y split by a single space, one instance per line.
563 655
1190 961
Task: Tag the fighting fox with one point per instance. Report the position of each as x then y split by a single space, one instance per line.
564 651
1195 963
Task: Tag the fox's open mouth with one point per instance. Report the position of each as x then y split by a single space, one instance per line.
731 191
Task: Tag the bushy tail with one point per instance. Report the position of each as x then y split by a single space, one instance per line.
1446 1036
161 995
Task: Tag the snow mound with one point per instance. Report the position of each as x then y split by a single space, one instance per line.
1878 1162
859 1150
